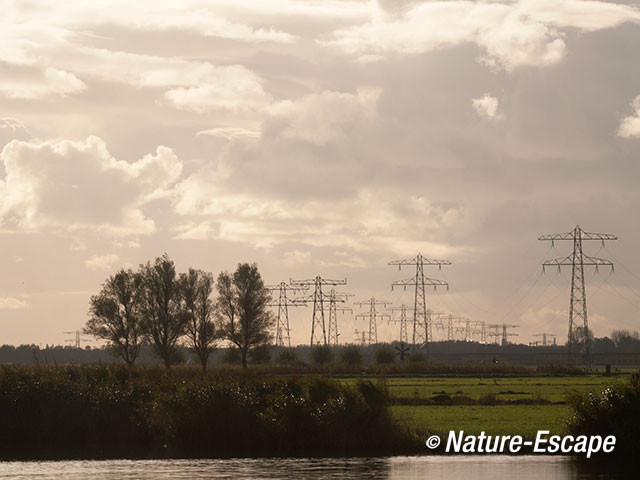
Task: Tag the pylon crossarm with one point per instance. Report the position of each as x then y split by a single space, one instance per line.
425 261
412 282
569 260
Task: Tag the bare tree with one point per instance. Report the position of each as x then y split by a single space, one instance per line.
163 314
196 287
115 315
242 308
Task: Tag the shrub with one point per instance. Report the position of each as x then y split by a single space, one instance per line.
384 356
260 354
351 355
321 354
614 411
115 412
287 356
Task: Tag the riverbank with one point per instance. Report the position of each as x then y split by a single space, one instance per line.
93 412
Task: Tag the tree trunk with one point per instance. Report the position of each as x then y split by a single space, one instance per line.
203 361
244 357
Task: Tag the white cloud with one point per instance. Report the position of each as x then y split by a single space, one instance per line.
231 133
101 262
509 34
630 126
50 82
79 186
487 107
231 88
10 303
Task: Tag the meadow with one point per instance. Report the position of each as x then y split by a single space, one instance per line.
501 404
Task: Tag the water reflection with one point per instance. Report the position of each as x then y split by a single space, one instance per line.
433 467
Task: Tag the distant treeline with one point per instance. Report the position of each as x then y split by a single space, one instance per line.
89 412
348 359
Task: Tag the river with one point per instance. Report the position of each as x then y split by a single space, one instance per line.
496 467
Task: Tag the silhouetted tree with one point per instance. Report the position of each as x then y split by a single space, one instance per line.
242 309
164 317
196 287
115 315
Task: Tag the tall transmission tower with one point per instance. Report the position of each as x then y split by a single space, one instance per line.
283 332
419 281
373 317
334 299
318 327
361 337
402 320
76 339
450 325
577 260
505 332
544 336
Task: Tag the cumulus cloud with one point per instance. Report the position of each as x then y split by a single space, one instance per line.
80 186
487 106
11 303
509 34
630 126
101 262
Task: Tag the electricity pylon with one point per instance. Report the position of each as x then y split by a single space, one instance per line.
283 332
361 337
373 317
318 330
577 260
420 324
544 338
334 298
403 320
77 339
505 332
451 328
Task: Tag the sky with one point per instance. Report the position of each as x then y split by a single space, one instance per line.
320 138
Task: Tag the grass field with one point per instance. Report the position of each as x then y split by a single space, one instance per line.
524 420
552 388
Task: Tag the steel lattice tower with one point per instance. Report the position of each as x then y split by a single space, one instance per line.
403 321
334 298
421 335
283 332
577 260
318 327
373 317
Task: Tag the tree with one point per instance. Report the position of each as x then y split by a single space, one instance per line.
196 287
115 315
242 309
164 317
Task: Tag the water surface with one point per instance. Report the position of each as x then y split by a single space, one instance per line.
490 467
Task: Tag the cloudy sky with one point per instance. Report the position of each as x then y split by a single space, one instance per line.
320 137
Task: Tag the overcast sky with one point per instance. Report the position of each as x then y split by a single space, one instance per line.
320 138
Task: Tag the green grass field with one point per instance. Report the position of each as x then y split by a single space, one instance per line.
523 420
493 419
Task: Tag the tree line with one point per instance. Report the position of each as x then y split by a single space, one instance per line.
161 307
